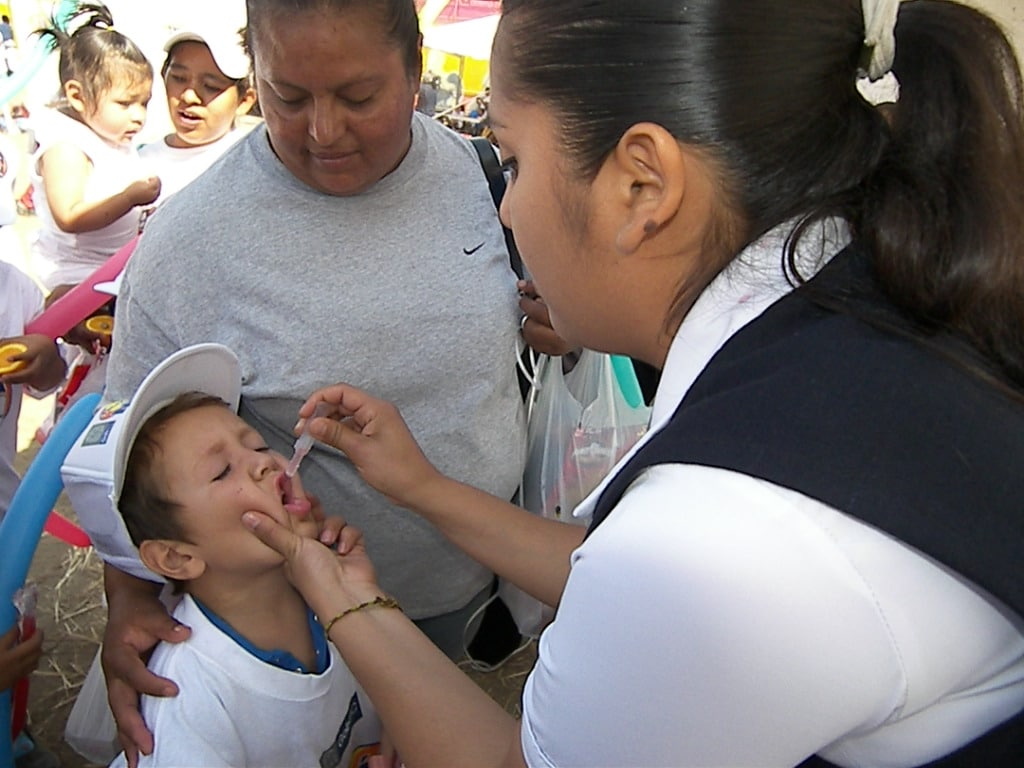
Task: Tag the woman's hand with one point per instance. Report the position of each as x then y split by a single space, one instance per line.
375 438
325 576
136 622
18 660
536 324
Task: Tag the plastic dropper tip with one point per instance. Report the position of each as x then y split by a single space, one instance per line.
293 465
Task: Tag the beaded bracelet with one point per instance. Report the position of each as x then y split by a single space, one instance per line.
378 602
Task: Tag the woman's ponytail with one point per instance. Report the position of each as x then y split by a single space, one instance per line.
943 214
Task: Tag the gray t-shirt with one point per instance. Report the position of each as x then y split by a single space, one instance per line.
403 290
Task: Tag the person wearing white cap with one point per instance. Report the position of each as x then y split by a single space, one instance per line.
181 467
206 78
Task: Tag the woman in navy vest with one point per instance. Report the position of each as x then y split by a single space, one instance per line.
808 215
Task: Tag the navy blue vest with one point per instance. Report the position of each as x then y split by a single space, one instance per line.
832 393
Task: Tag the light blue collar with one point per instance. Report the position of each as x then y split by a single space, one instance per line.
277 657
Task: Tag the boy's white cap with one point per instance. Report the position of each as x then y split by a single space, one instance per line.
94 468
225 45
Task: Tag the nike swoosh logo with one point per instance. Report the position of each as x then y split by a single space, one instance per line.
471 251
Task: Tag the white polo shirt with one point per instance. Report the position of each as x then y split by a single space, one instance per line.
715 619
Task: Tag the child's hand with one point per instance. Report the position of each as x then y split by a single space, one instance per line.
144 191
18 659
90 341
43 367
78 334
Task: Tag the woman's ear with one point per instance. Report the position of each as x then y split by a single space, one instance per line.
75 95
650 182
171 559
246 103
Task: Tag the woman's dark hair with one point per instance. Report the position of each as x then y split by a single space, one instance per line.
148 510
398 20
95 54
767 92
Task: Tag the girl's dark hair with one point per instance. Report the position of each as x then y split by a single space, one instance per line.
398 19
148 510
94 54
767 92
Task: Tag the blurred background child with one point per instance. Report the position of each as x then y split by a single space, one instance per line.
207 80
89 182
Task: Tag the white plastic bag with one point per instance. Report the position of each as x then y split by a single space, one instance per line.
580 425
90 729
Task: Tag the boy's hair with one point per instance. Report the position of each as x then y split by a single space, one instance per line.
147 508
95 54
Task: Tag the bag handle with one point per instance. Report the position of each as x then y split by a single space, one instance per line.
496 182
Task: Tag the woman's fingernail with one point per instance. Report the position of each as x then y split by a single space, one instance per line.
249 520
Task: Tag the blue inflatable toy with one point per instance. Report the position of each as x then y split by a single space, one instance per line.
23 525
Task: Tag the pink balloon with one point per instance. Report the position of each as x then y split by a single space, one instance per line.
82 300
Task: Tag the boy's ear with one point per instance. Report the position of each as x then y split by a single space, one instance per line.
650 182
171 559
75 95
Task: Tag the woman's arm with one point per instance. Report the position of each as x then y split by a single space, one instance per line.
65 169
527 550
432 711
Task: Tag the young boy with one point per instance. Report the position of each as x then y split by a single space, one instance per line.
259 683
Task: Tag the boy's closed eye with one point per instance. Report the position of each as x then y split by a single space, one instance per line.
227 469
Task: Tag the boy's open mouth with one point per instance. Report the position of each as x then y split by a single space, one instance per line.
293 504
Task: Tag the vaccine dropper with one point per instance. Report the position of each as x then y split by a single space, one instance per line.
305 440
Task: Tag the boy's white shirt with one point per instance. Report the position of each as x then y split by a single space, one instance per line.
235 710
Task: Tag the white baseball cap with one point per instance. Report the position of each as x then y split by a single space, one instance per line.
225 45
94 469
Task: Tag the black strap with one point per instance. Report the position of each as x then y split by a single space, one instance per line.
496 182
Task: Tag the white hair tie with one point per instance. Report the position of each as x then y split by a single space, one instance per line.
879 35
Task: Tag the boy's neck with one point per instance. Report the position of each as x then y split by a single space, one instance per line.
266 611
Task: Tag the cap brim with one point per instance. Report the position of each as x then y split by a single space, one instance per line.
227 51
212 369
